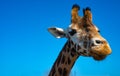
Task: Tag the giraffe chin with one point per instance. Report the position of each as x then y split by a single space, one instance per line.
98 57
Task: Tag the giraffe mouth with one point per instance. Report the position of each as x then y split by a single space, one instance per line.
97 56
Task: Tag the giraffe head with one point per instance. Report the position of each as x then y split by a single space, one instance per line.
84 36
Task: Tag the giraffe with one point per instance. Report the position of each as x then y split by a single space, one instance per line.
83 39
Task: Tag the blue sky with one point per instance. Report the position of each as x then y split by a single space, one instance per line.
27 48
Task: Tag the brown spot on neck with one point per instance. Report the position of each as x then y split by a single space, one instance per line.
64 62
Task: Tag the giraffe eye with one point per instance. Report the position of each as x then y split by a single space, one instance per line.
72 32
99 31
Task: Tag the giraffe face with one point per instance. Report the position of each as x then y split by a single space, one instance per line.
87 37
88 41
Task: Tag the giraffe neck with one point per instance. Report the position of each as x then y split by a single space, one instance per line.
65 61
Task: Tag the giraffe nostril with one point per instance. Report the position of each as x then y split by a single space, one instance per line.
98 42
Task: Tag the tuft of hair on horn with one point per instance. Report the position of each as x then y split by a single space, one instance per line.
76 6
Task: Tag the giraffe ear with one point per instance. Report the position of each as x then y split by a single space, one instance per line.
57 32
